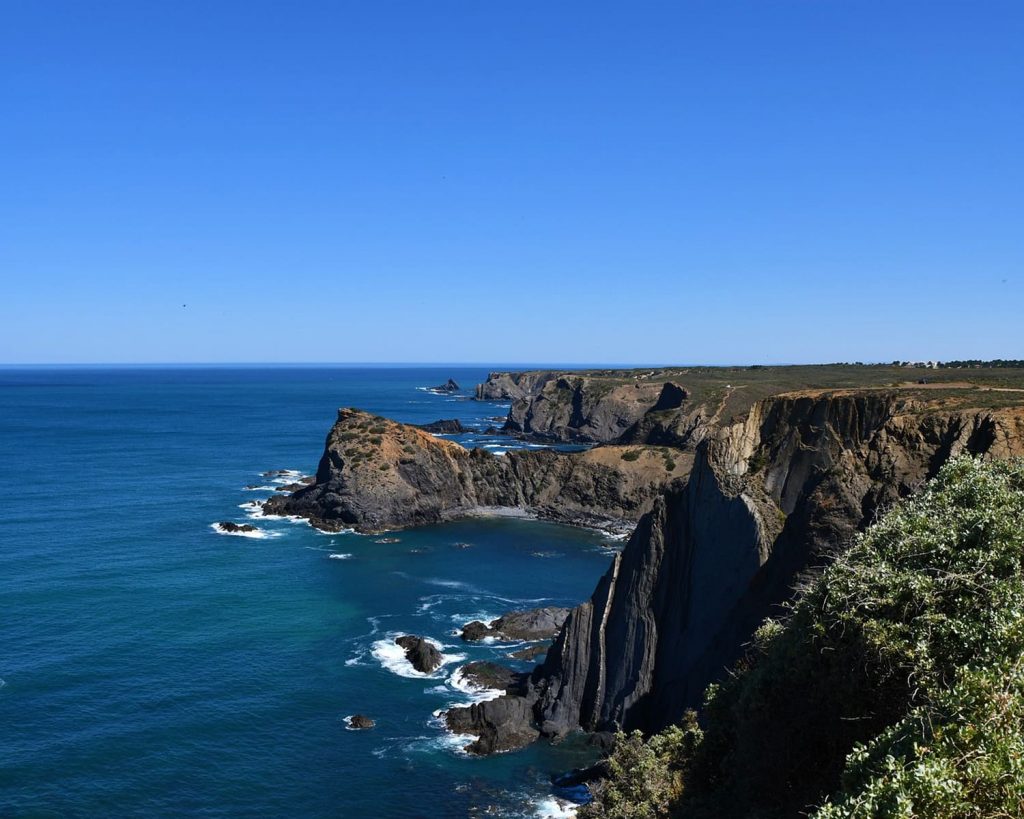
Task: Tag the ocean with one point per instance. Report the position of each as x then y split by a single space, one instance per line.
150 666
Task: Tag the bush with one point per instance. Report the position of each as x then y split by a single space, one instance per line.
631 455
895 688
645 777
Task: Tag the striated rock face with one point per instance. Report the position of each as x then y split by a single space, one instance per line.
670 422
597 407
512 386
377 474
582 409
769 497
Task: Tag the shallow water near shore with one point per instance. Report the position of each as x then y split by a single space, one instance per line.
153 666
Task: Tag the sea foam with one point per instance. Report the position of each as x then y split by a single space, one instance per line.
551 807
475 693
259 534
392 657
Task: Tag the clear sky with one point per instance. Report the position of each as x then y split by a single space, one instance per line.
511 180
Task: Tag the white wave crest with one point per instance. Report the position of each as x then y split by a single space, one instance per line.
476 693
551 807
257 534
392 657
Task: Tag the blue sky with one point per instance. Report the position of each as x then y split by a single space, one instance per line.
679 182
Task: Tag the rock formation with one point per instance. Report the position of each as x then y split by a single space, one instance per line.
450 426
494 677
228 526
533 624
421 653
376 474
580 409
451 385
584 407
769 497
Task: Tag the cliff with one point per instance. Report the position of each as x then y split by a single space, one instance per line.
893 687
377 474
585 407
769 496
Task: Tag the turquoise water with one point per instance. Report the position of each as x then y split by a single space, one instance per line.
153 667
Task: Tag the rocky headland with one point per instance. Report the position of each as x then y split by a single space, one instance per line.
376 474
740 483
770 496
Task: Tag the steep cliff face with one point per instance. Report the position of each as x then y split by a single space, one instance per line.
377 474
592 410
512 386
599 407
768 497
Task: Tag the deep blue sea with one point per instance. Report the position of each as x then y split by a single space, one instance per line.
153 667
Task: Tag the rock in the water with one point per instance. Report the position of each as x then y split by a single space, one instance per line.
531 652
532 624
228 526
421 653
494 677
504 725
583 776
291 487
360 722
449 426
476 630
451 385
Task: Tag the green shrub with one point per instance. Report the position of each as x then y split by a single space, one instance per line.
631 455
645 777
895 688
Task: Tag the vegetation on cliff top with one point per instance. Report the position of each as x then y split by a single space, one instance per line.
895 688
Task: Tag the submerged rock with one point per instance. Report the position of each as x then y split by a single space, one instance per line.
421 653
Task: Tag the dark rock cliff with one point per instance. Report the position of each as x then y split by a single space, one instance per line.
586 408
769 497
